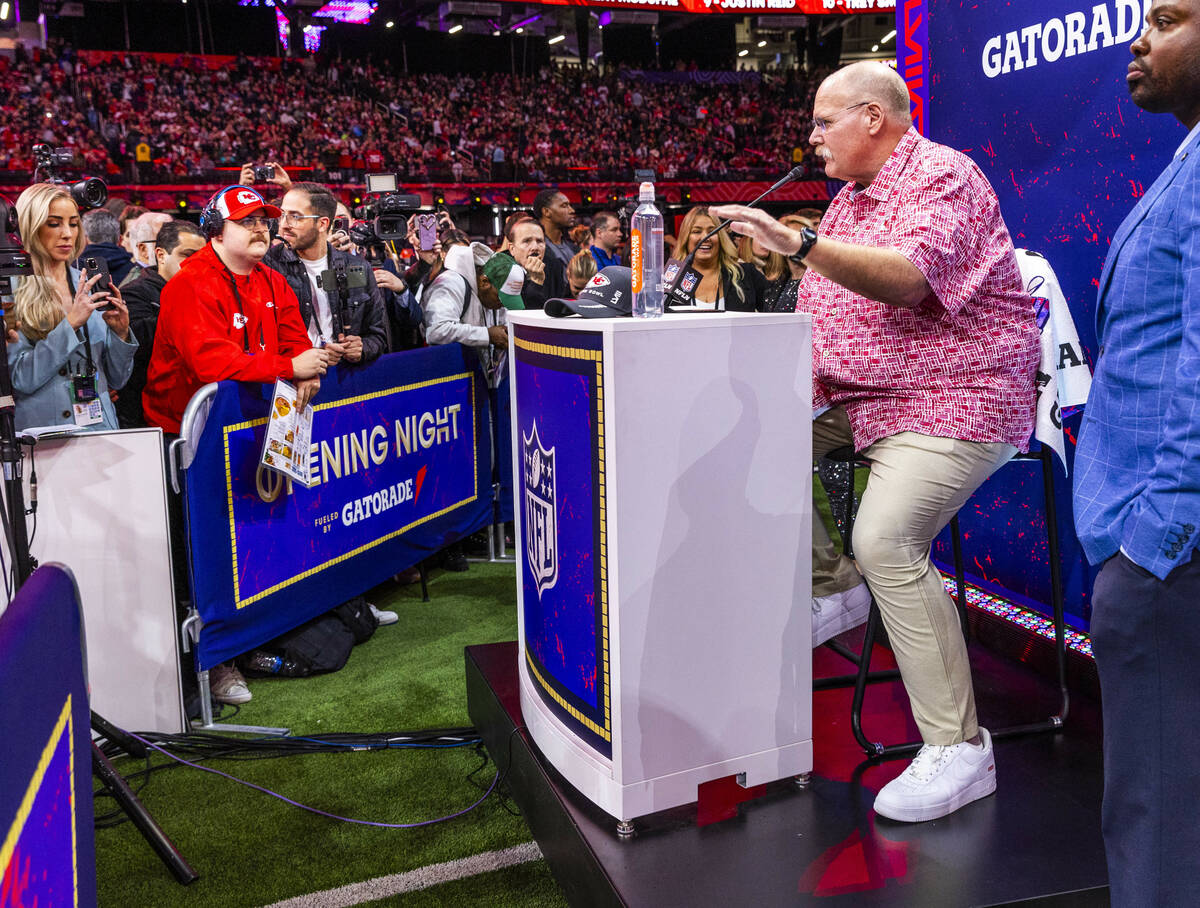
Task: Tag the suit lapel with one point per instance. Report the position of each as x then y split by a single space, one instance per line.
1132 220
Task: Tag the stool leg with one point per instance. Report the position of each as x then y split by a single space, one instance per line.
1056 587
872 749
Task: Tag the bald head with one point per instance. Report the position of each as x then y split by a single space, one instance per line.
872 81
860 115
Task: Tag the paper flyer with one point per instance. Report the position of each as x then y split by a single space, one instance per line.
285 447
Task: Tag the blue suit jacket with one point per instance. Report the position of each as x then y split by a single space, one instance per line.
1137 465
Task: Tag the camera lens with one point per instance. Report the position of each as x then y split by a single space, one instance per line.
90 193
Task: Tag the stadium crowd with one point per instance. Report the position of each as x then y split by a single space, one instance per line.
148 119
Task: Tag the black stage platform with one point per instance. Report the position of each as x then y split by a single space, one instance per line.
1035 842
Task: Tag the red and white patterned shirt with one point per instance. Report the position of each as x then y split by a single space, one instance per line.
959 365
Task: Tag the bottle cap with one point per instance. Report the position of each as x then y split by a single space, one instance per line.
646 192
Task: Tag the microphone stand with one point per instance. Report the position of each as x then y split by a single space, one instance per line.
794 174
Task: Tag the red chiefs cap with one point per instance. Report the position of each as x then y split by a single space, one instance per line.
238 201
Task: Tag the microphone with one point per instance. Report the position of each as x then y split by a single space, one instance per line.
677 273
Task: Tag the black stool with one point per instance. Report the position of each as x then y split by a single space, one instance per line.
864 676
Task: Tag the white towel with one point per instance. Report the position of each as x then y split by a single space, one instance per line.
1063 378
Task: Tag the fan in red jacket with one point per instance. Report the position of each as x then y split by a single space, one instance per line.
226 316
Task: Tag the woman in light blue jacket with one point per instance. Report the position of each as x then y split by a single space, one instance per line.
67 354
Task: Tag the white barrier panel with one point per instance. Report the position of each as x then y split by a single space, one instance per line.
102 511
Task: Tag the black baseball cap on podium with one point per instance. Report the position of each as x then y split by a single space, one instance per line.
607 295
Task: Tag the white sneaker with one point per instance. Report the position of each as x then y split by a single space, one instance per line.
383 617
838 612
940 780
227 684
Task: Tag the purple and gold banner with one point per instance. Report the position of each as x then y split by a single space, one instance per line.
560 494
401 459
47 846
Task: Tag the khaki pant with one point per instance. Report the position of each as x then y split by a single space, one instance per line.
917 483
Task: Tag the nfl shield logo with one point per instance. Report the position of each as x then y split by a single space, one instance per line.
541 516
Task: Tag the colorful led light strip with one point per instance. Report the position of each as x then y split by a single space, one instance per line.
1022 617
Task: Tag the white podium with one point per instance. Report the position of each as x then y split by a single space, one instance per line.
663 479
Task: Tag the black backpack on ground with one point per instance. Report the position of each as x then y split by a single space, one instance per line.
318 646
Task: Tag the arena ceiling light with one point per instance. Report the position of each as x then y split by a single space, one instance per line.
743 52
762 43
454 29
888 37
556 39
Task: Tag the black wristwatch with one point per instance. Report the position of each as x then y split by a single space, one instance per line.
808 239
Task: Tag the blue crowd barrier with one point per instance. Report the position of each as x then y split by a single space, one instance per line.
403 465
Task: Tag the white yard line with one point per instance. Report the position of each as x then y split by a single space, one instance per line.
413 880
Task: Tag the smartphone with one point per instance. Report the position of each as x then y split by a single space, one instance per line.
342 224
93 265
427 231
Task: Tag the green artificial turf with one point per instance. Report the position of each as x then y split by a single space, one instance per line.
251 849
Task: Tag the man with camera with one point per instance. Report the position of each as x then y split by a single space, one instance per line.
340 303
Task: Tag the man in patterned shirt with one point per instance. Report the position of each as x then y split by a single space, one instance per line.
924 350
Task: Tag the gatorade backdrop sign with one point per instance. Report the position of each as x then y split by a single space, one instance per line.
401 459
564 546
1034 92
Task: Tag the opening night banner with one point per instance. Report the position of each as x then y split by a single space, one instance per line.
401 458
1034 92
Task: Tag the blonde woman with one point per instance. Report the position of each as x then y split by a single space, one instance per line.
781 294
67 355
724 284
773 265
580 270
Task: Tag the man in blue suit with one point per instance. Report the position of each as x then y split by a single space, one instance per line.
1137 495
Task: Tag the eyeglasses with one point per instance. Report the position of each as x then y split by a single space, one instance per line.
250 222
295 217
821 124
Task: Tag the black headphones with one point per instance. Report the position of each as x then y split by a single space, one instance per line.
212 222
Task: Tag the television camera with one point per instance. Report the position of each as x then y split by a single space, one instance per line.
88 193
